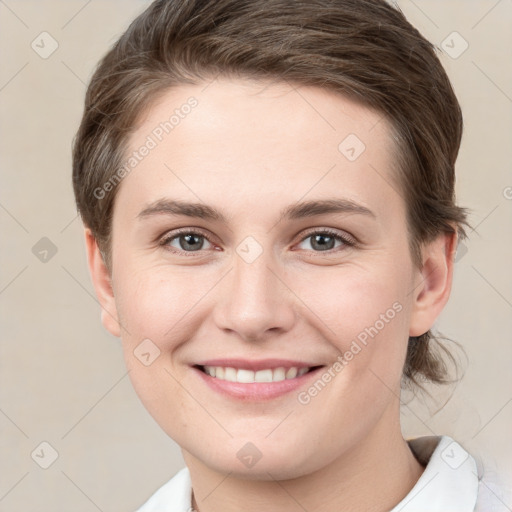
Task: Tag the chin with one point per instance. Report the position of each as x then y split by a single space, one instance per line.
261 460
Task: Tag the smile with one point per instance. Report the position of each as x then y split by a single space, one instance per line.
247 380
249 376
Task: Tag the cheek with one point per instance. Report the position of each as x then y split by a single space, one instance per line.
364 315
349 300
157 303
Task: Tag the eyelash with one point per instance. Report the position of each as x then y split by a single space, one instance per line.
349 242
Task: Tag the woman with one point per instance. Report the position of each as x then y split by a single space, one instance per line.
268 194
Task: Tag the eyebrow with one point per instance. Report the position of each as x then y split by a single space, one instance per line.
293 212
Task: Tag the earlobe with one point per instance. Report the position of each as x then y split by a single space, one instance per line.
102 284
433 283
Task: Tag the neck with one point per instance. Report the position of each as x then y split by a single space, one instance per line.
374 476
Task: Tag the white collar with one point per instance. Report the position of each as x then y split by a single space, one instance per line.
448 483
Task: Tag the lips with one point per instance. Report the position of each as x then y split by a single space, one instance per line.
254 380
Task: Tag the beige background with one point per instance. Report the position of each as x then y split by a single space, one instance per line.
63 378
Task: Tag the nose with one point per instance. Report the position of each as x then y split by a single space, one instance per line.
254 300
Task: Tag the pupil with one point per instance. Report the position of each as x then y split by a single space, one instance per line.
323 244
194 245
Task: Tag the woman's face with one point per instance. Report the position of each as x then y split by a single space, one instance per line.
289 249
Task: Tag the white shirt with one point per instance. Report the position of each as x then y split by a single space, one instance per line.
449 483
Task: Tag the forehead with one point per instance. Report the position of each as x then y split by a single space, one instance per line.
260 141
262 108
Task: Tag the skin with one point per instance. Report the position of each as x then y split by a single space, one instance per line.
250 149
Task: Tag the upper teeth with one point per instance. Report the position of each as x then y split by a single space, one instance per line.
247 376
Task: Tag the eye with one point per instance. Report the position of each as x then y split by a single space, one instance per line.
324 240
189 241
185 241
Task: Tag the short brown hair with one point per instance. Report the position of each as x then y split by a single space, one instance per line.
364 49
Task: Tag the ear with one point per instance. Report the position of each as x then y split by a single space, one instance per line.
433 283
102 284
